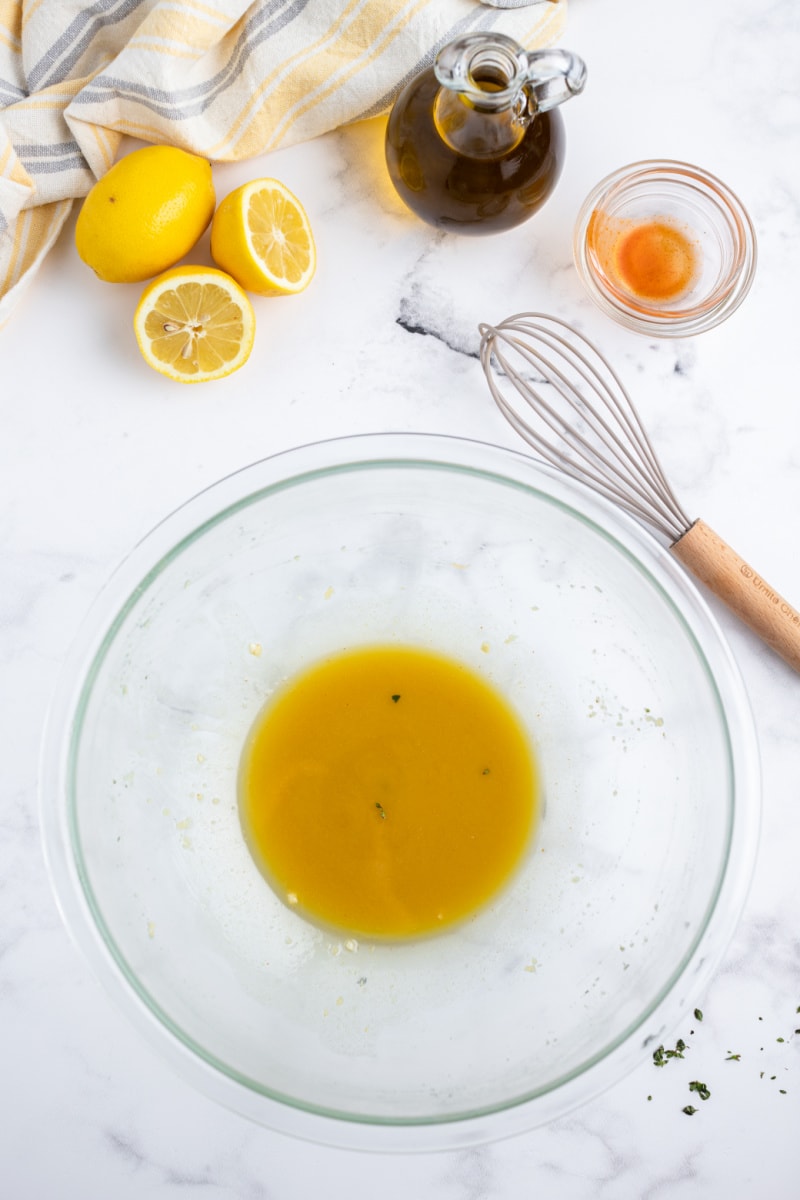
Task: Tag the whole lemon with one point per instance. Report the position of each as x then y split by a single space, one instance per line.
145 213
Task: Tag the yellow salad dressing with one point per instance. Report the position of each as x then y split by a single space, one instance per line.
388 792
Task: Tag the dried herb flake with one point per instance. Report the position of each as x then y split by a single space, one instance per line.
661 1055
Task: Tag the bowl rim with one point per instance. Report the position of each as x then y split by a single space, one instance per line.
662 322
454 1130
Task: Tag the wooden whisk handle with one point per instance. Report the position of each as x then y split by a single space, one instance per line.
730 578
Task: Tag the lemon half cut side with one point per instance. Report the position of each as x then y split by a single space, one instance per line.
194 324
262 236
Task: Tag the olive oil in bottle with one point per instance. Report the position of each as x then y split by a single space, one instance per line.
473 143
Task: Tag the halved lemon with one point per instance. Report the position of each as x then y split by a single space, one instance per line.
261 236
194 324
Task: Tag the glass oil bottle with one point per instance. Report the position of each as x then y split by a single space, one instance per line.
474 144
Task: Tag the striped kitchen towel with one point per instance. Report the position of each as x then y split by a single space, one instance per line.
222 78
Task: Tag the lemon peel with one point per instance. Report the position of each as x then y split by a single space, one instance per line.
145 213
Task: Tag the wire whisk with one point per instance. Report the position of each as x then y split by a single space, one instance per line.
562 396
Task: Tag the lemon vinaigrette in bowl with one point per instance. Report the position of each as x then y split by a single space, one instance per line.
388 792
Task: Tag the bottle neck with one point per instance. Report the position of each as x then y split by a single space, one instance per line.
477 128
492 73
488 70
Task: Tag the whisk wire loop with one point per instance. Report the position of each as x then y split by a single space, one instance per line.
618 401
567 387
584 450
591 462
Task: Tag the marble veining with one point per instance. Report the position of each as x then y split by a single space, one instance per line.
95 450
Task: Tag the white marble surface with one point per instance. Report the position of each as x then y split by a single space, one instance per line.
96 448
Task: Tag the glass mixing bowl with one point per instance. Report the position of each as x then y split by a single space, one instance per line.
626 899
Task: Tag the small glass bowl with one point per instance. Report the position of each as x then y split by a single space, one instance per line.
665 248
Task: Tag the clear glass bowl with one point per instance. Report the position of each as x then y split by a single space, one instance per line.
628 692
708 229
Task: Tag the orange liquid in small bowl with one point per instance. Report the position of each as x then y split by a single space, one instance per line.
653 260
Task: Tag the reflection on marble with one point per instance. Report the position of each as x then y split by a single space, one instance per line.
95 450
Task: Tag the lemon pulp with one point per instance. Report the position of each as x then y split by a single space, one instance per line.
194 324
261 235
